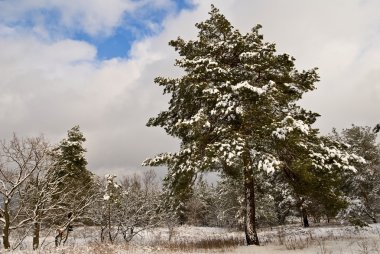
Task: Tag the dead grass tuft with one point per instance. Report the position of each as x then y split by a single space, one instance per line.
206 244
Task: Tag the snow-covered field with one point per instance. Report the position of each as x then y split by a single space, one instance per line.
185 239
322 240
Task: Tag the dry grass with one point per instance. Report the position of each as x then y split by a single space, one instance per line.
297 243
322 248
207 244
210 244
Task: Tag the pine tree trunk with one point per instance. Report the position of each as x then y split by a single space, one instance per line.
36 235
6 243
250 207
304 217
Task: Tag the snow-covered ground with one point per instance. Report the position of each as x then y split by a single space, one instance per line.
185 239
322 240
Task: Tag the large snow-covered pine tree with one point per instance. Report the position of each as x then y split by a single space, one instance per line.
235 111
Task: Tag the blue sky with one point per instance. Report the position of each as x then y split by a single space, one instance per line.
116 41
132 28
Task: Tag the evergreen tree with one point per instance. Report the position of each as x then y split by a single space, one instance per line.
230 202
283 198
362 187
235 112
70 153
200 209
70 166
315 167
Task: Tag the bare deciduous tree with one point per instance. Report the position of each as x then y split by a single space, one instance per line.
19 159
128 208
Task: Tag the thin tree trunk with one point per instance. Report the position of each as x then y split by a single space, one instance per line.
102 229
109 222
6 243
370 215
67 234
36 235
250 207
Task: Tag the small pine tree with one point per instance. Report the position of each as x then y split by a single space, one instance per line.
70 154
70 166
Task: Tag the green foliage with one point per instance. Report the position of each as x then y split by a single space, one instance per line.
362 186
70 165
70 154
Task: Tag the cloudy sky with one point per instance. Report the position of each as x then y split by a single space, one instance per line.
92 63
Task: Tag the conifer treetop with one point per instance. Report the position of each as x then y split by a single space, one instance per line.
235 89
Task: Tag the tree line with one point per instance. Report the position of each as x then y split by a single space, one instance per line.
47 190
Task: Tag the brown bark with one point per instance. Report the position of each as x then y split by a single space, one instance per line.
250 206
36 235
6 243
304 217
